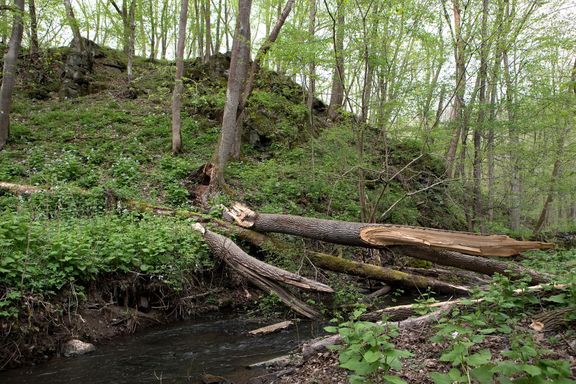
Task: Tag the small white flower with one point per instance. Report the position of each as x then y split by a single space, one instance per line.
454 334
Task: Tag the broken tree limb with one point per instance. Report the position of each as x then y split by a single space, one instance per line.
231 253
271 328
402 312
348 233
388 275
463 242
262 274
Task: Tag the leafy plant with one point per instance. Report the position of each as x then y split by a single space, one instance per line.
368 350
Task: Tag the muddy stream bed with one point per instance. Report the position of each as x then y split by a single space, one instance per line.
179 353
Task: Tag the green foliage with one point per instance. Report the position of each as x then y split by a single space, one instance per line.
42 255
368 350
497 313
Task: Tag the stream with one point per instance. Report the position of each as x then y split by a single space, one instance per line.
178 353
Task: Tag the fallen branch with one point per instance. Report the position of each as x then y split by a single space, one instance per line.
262 274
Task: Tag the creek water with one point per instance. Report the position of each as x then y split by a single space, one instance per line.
174 354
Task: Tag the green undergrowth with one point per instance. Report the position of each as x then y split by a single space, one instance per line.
485 340
41 254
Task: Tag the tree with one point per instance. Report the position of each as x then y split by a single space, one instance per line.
239 62
9 72
337 90
178 84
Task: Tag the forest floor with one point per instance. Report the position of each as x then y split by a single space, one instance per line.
324 367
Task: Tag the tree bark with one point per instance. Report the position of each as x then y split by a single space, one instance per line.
255 68
236 78
560 143
131 39
460 78
33 28
9 72
261 274
178 84
349 233
387 275
337 91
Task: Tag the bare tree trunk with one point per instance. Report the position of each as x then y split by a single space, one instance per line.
477 166
208 26
164 29
312 64
178 85
9 72
249 85
261 274
218 41
79 46
513 151
337 91
33 28
236 77
131 40
459 104
199 29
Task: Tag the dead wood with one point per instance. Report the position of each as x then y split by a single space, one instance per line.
349 233
271 328
463 242
388 275
401 312
552 320
261 274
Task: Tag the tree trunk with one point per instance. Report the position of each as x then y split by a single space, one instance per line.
560 143
178 84
337 91
261 274
255 68
387 275
164 29
349 233
131 40
33 28
208 27
312 64
236 77
460 77
152 31
9 72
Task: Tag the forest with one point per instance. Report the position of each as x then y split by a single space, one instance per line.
397 175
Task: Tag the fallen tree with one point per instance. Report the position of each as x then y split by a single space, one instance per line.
263 275
349 233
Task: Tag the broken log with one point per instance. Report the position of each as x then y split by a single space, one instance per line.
349 233
388 275
262 274
463 242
